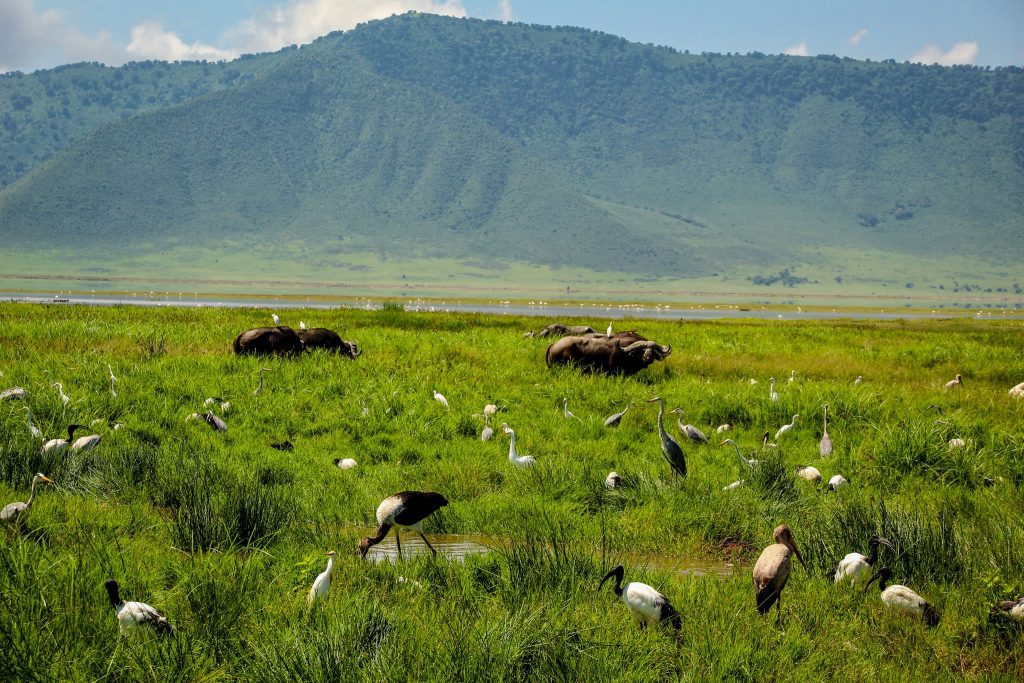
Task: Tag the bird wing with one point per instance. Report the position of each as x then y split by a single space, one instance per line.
12 510
771 572
825 447
143 614
850 567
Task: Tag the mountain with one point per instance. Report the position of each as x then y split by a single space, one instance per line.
428 137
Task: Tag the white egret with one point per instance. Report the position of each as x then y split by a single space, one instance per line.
520 461
724 428
35 431
565 410
647 605
609 331
405 510
902 598
302 325
113 381
277 320
771 572
322 583
14 512
60 390
786 428
858 380
772 394
441 399
133 615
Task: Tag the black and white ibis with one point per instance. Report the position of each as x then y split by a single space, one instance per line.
134 615
903 599
405 510
856 567
57 446
648 606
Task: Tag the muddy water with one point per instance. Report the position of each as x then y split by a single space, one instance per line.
458 546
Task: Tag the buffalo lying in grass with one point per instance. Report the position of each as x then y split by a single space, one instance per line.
268 341
599 353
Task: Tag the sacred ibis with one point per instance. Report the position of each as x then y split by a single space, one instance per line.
808 473
612 481
771 572
405 510
1018 390
13 512
902 598
837 482
133 615
86 443
58 446
520 461
648 606
857 567
344 463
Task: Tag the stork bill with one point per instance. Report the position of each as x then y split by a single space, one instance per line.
404 510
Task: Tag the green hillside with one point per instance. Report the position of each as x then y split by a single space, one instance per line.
428 137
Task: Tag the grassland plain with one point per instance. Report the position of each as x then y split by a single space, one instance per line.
225 535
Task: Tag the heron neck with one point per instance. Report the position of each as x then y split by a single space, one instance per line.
31 493
512 446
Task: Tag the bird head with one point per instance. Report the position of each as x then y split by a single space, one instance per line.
505 428
722 443
113 590
617 571
676 411
656 399
883 575
876 540
330 553
364 546
42 477
784 535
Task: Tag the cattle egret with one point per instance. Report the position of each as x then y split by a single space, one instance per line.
724 428
771 572
954 383
648 606
808 473
60 390
902 598
792 376
488 432
405 510
14 512
58 445
256 392
565 410
825 447
746 461
322 584
1014 609
785 428
612 481
344 463
13 394
441 399
520 461
133 615
302 325
691 432
837 482
33 430
113 381
772 394
609 331
858 380
669 448
752 381
277 321
615 419
856 567
1017 391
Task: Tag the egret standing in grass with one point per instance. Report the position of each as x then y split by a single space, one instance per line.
902 598
277 320
14 512
856 567
786 428
614 419
322 584
33 430
60 390
825 447
113 381
955 383
405 510
772 394
669 448
565 410
771 572
520 461
691 432
133 615
648 606
258 389
441 399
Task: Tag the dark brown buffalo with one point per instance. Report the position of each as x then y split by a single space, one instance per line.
607 355
267 341
323 338
560 330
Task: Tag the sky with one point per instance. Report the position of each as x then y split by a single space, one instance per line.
36 34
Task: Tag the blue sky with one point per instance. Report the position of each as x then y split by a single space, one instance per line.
44 33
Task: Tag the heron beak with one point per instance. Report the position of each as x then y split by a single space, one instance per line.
721 443
654 400
46 480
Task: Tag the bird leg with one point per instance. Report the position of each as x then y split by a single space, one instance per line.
428 544
398 542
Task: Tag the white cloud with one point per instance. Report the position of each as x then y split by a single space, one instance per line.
151 41
300 21
798 50
505 10
960 53
857 37
31 40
